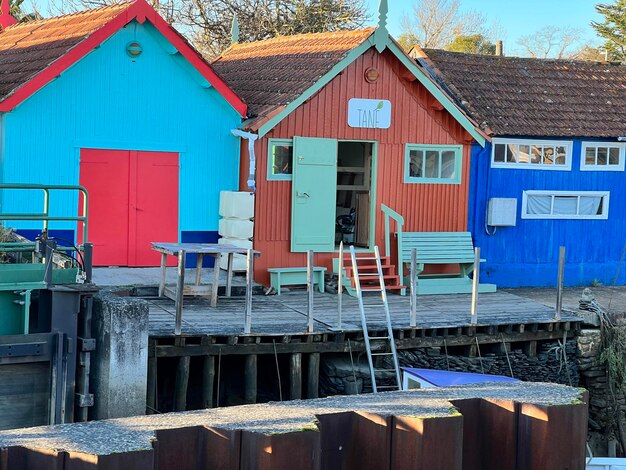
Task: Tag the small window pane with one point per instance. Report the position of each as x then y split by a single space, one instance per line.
565 205
524 154
548 155
613 156
499 153
537 152
282 157
590 156
416 165
511 153
448 164
590 205
539 205
432 164
560 156
602 156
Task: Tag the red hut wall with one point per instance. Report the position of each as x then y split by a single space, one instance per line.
416 118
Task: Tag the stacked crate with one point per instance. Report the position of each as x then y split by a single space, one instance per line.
236 227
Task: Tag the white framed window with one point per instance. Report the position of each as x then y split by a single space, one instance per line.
433 164
279 159
532 154
602 156
565 205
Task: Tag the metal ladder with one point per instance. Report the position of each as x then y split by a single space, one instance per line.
389 348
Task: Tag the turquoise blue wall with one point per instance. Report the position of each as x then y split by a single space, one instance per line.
527 254
108 100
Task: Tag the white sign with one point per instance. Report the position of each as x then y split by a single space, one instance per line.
370 114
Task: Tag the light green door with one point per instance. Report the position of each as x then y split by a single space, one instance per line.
314 194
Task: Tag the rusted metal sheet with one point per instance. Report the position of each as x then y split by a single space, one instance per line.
427 444
425 207
299 450
168 451
371 435
221 448
336 439
552 436
22 458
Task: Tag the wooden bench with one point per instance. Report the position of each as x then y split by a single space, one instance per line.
440 248
295 276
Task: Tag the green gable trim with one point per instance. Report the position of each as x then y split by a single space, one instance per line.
321 83
375 40
437 93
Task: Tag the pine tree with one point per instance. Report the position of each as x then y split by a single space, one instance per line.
613 29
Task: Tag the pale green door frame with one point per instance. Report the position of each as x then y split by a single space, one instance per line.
314 194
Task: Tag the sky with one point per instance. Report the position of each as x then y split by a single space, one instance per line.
516 17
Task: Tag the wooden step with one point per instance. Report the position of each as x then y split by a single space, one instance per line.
371 288
388 280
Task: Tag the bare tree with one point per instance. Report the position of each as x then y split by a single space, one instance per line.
436 23
550 42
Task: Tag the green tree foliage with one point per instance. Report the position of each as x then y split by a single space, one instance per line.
613 28
472 44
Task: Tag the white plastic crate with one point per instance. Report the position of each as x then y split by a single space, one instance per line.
236 228
238 242
239 262
237 204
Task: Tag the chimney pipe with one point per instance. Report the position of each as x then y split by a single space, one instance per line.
499 48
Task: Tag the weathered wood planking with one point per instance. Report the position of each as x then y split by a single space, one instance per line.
286 314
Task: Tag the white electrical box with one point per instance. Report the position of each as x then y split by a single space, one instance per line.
502 212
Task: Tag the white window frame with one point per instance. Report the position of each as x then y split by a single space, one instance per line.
605 204
607 167
458 163
568 144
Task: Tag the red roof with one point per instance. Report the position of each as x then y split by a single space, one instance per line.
34 53
272 73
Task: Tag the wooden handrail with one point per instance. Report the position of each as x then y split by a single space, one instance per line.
389 213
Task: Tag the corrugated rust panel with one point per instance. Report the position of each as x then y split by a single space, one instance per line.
167 448
371 435
336 439
552 436
22 458
221 448
498 430
427 443
299 450
426 207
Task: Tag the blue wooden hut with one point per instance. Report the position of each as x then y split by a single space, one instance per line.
552 172
118 101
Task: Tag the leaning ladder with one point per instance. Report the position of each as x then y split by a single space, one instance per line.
388 348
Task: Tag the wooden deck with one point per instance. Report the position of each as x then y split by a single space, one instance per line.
287 314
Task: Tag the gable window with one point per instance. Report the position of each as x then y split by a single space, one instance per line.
438 164
279 159
565 205
532 154
602 156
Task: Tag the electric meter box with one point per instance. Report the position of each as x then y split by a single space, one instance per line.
502 212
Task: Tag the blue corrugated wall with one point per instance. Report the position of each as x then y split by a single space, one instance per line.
527 254
108 101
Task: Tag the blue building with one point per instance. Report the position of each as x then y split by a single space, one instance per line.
118 101
553 172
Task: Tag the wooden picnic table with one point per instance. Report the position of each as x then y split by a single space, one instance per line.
180 250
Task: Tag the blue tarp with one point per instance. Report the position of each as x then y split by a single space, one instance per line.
444 378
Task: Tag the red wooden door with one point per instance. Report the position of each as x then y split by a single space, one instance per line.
133 200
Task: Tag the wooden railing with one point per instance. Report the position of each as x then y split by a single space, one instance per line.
389 214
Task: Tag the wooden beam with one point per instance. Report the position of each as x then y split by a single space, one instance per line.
295 376
250 378
208 381
182 380
341 347
152 383
313 379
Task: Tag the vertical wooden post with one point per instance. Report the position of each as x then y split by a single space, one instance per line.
182 380
309 288
340 286
559 287
295 376
413 286
313 379
152 378
250 378
180 286
216 279
208 381
163 274
247 326
475 284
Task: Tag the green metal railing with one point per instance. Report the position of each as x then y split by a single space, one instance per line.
45 216
389 214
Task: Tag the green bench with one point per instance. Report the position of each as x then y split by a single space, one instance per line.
440 248
295 276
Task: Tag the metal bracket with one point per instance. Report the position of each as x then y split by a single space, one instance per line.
23 349
84 401
86 344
